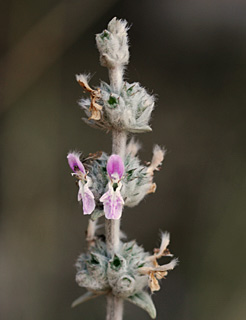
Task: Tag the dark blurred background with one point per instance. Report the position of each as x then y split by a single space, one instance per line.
191 54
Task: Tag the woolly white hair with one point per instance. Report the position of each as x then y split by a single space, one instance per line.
133 147
158 157
169 266
165 240
85 78
113 44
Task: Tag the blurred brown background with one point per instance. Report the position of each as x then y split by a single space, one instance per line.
192 55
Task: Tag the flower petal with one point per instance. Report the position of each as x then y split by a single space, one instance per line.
87 198
75 163
88 201
115 166
81 190
112 204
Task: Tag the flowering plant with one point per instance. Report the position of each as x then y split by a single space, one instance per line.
121 270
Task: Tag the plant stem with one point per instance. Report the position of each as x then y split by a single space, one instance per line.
112 227
119 143
116 78
114 307
90 233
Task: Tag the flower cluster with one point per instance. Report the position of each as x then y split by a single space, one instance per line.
129 110
112 199
126 274
107 183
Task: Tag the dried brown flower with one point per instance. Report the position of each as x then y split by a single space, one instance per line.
95 108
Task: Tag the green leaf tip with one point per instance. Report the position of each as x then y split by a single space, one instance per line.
143 300
85 297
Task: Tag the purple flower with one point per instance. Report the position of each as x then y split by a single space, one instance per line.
112 199
85 195
74 162
115 167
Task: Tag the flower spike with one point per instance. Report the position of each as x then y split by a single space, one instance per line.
111 265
